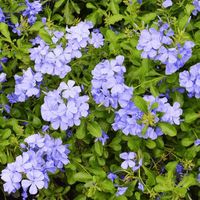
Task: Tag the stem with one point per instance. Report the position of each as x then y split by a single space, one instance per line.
82 167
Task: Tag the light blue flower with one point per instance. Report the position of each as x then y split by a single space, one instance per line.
121 191
167 3
2 77
32 10
129 159
140 186
111 176
64 107
108 86
196 10
35 181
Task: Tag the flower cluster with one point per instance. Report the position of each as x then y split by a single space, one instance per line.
190 80
26 86
108 86
155 45
196 3
51 61
32 10
133 121
54 61
41 154
64 107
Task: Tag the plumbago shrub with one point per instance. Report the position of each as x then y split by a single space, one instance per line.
100 99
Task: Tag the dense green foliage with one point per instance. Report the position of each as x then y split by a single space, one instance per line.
85 177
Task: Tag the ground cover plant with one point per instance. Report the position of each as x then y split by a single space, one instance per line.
100 99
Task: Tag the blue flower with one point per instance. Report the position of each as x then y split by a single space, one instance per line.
11 177
2 77
133 121
2 16
42 154
167 3
121 191
97 39
172 113
57 36
108 86
16 28
26 86
196 3
32 10
35 181
103 138
111 176
45 128
129 159
140 186
64 107
78 36
197 142
190 80
179 169
155 46
149 42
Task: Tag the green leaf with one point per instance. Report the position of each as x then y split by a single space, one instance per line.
151 180
94 129
134 143
45 36
168 129
90 5
148 17
189 8
187 181
107 186
82 177
163 184
114 7
3 158
113 19
68 16
150 144
154 105
154 91
5 133
76 7
4 30
144 130
98 148
81 132
80 197
36 26
141 103
15 126
187 141
36 122
115 144
183 20
13 19
58 4
191 117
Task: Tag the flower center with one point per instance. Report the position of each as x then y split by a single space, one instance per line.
148 119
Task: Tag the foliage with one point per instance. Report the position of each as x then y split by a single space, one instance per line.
85 177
